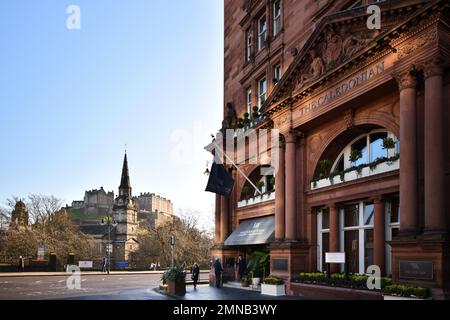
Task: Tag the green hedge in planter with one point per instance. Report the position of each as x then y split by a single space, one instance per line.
406 291
175 274
273 280
355 281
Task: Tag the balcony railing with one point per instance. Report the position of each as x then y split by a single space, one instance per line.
355 173
257 199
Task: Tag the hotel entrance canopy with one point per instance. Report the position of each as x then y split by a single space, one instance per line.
253 231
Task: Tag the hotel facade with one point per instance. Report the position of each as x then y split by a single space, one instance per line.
363 157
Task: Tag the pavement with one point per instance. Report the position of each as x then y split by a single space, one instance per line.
116 286
206 292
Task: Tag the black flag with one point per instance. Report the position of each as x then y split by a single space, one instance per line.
220 181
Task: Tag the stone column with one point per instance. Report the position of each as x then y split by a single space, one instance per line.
435 220
217 237
280 196
291 212
224 218
379 235
408 158
334 233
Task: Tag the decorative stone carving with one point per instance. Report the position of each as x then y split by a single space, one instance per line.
333 51
316 69
332 47
406 79
349 118
433 67
351 43
412 45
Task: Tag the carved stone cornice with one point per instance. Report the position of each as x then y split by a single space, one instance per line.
319 62
428 37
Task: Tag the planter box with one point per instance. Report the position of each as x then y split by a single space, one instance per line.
176 287
388 297
273 289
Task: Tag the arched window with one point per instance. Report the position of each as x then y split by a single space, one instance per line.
264 191
368 154
367 149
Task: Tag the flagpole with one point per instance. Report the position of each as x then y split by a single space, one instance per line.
237 168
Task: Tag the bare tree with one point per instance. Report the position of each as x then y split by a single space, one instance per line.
192 243
5 218
41 207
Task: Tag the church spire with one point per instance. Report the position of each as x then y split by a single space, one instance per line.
125 185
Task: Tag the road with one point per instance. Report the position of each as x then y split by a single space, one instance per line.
93 287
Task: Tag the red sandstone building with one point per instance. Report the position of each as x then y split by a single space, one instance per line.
335 88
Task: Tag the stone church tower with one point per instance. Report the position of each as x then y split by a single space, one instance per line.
19 216
125 215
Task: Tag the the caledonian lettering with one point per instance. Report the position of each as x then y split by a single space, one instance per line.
343 88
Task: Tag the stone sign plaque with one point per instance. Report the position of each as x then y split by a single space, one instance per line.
422 270
280 264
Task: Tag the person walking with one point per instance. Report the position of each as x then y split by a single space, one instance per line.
241 267
218 271
195 270
21 264
104 264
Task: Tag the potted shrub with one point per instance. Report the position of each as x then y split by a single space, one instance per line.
405 292
246 120
258 264
260 186
175 278
388 143
240 123
355 155
324 168
272 183
273 286
245 193
255 114
245 281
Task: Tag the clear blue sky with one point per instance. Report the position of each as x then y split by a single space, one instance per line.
138 72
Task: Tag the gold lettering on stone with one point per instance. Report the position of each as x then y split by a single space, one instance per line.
342 88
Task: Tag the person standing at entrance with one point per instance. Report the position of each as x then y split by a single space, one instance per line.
104 264
195 273
218 271
241 267
21 264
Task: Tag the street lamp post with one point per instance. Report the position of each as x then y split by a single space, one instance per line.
172 247
109 221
